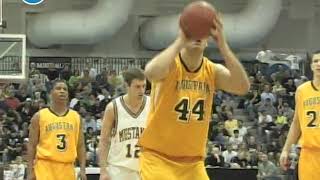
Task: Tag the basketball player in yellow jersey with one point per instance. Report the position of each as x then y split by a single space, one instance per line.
56 139
305 126
183 85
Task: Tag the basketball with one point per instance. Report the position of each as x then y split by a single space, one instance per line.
196 19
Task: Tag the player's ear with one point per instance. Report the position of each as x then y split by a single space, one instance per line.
127 85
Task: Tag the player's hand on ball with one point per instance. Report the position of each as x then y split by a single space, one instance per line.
217 31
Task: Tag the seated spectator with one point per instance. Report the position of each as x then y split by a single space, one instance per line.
291 87
266 94
252 143
274 147
268 107
215 158
253 99
231 124
236 139
287 111
243 131
229 154
281 119
266 168
220 129
241 160
277 87
223 114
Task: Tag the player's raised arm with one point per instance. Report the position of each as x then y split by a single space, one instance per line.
159 67
105 138
233 77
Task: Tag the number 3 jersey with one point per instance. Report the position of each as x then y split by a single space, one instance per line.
308 111
128 126
58 138
180 111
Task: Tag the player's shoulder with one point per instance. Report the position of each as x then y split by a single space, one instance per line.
71 111
305 86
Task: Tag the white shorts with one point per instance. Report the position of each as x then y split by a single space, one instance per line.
122 173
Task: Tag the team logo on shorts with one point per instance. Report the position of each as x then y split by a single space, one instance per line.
32 2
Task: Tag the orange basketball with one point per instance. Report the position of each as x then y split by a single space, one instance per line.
196 19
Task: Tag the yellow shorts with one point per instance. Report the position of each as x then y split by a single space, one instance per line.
156 167
51 170
309 164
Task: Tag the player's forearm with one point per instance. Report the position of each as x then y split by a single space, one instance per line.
293 135
103 152
160 65
82 156
30 158
239 78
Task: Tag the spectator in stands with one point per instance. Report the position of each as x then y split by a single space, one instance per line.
231 124
240 160
85 78
243 130
89 122
290 87
3 151
267 107
215 158
280 74
236 139
266 168
253 99
74 80
266 94
65 73
10 100
52 73
274 147
281 119
229 154
220 134
22 93
252 143
223 114
277 87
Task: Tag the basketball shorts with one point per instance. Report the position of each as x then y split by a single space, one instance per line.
51 170
309 164
156 167
122 173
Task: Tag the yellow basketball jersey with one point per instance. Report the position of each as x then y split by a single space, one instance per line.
180 110
58 138
308 108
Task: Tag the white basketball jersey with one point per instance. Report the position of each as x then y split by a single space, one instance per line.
128 127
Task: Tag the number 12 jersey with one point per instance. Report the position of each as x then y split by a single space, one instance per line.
128 127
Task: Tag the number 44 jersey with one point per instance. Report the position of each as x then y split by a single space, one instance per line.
180 111
128 126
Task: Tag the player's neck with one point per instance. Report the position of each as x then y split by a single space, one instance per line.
132 101
192 59
59 109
